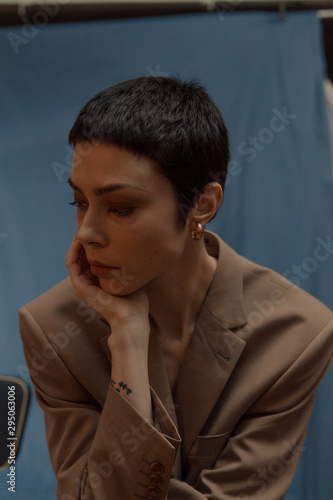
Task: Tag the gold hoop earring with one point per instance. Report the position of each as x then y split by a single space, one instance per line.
197 231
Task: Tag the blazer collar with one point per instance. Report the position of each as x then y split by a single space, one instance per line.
224 299
215 347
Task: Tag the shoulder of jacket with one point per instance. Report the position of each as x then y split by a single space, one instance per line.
61 293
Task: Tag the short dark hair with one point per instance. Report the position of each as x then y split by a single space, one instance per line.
173 122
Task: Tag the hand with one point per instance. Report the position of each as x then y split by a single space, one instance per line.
128 315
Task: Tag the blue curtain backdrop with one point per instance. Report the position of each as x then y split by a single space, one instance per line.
266 76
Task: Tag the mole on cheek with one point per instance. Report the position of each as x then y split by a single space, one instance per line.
155 252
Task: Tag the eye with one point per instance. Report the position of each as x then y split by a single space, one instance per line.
121 211
77 204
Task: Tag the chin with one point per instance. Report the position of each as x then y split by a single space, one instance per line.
117 288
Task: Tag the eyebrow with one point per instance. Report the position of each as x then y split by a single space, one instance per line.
106 189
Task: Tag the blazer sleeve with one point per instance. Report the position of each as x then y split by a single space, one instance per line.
261 454
97 453
101 454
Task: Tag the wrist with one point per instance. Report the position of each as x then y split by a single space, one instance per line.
128 337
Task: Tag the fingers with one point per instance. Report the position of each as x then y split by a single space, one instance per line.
73 258
115 309
84 284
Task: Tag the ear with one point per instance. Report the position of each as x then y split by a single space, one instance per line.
207 204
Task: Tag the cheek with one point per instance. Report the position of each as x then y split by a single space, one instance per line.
157 259
152 243
165 252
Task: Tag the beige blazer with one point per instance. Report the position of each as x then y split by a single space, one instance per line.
235 424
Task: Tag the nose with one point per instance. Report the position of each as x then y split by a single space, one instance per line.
90 229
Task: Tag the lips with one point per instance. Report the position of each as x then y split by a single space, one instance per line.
100 269
99 264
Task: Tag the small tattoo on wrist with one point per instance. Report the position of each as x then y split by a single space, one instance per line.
121 386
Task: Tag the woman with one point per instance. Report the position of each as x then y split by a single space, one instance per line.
167 365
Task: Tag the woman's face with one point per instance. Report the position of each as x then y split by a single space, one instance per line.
127 218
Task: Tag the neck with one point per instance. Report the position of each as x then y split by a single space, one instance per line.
175 298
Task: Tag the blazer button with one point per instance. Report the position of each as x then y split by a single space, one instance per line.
155 479
156 467
154 490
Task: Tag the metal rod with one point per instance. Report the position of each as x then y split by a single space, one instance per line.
82 10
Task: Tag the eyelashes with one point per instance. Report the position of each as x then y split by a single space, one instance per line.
117 211
76 204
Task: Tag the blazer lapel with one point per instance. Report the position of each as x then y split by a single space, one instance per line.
210 359
158 376
215 347
159 381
